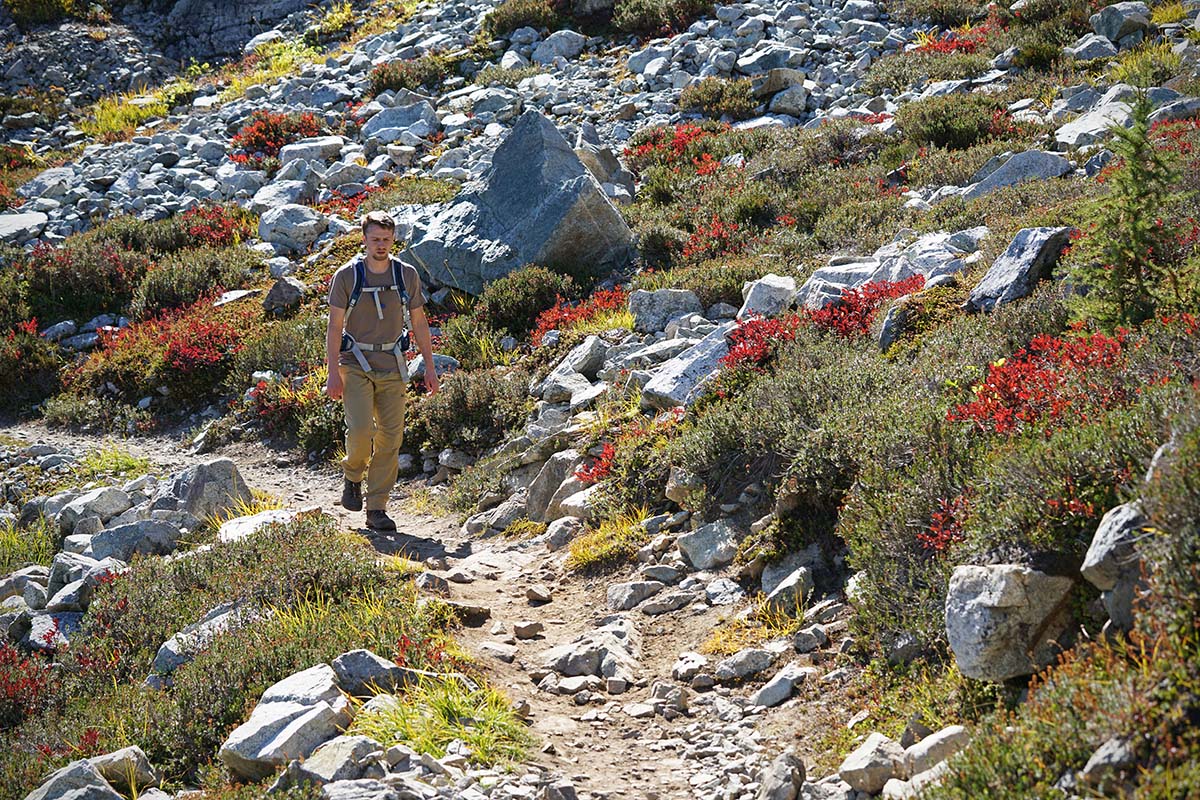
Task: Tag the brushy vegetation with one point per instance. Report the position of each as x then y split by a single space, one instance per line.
718 97
309 593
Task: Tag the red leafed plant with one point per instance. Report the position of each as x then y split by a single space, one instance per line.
563 315
25 685
714 239
215 226
945 524
259 141
753 339
853 313
600 467
664 145
1052 379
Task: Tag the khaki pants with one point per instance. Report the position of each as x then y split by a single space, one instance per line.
374 403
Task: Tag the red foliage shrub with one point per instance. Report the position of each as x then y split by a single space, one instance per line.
853 314
946 524
753 340
664 145
717 238
215 226
25 685
600 467
259 141
346 206
1050 381
81 279
564 315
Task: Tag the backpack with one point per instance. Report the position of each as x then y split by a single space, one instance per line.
398 347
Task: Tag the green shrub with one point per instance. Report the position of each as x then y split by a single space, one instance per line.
861 225
512 14
657 16
493 75
160 237
408 190
13 308
28 13
899 72
512 303
717 97
289 346
81 279
942 13
425 72
955 122
28 369
472 411
93 414
472 343
184 278
717 281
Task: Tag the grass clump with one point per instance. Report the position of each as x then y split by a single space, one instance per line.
763 623
1147 65
614 542
116 117
718 97
438 711
22 547
270 62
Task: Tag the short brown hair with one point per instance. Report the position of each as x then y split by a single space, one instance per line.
380 218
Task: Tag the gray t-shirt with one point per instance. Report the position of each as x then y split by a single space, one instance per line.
363 323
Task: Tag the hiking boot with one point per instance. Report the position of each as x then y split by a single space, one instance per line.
352 495
378 520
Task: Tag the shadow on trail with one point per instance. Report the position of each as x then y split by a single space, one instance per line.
417 548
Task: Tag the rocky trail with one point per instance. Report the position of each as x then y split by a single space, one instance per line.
616 711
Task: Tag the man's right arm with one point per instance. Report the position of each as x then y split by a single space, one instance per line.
333 348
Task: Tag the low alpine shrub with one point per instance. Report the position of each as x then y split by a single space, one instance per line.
718 97
472 411
29 367
512 14
425 72
954 122
512 303
80 279
259 141
182 279
565 316
657 17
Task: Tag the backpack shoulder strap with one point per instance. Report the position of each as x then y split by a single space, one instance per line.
398 280
360 280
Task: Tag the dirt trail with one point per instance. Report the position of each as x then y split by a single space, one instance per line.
597 745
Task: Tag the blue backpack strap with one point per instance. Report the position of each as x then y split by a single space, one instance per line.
398 280
360 280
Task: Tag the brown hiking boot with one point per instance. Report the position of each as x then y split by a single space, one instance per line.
378 520
352 495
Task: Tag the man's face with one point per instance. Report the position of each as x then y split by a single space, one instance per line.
379 241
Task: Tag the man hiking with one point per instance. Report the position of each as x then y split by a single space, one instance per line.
375 301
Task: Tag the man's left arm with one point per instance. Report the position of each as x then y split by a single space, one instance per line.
420 329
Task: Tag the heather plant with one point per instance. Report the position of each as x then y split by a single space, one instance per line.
512 14
716 281
182 279
954 122
93 414
512 303
472 411
425 73
160 237
656 17
900 71
718 97
80 279
289 347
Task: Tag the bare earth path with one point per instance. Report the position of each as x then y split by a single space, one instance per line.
603 750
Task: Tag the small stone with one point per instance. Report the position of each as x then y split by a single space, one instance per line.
538 593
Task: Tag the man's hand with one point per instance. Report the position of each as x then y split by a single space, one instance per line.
431 381
333 385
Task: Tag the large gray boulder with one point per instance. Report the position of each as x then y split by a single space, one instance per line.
782 778
653 310
537 203
362 673
184 645
1095 125
676 382
105 503
549 478
78 776
418 118
769 295
344 758
292 718
148 537
293 227
21 227
1030 257
1005 620
609 651
205 489
872 764
317 148
127 768
1032 165
1119 20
